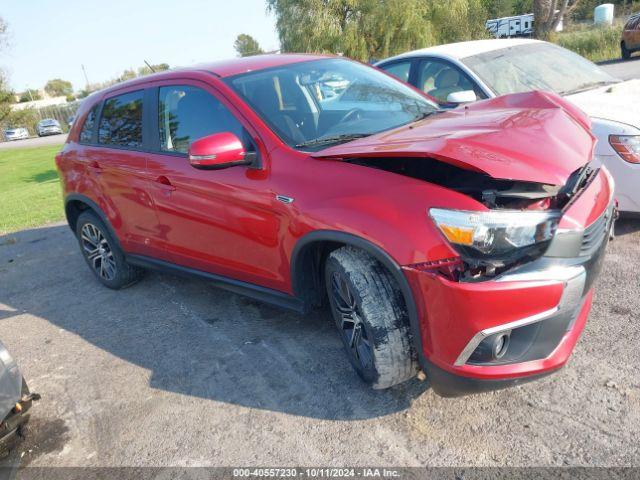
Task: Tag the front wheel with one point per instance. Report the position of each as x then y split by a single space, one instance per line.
370 314
626 54
103 254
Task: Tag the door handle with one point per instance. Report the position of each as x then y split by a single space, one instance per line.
164 183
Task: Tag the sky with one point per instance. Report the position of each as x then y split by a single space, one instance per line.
53 38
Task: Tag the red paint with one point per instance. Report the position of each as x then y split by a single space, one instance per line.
217 150
229 222
500 137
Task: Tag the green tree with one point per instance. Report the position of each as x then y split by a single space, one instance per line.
548 13
58 87
246 45
361 29
499 8
458 20
145 70
29 95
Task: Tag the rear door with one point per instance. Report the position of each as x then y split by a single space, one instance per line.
113 156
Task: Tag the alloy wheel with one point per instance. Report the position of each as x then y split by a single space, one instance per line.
98 252
350 322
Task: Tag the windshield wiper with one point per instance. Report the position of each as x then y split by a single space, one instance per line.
346 137
587 86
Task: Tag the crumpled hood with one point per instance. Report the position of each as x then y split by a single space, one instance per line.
533 136
619 102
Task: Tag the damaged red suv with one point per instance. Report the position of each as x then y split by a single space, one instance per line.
463 242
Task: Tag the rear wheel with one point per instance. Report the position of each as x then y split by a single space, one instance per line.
370 314
626 54
102 253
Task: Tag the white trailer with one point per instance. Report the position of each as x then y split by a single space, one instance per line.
507 27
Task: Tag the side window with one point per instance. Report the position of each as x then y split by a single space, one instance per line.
188 113
439 79
398 69
121 121
86 134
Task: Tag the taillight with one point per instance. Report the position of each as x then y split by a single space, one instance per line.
627 146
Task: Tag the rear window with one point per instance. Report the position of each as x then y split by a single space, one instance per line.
121 121
86 134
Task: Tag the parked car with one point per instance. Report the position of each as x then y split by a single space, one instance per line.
463 242
631 37
467 71
19 133
48 126
15 401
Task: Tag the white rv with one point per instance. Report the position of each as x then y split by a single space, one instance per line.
507 27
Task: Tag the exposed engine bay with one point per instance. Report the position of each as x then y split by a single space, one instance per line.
493 193
499 195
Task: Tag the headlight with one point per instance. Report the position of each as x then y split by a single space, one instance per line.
496 237
627 146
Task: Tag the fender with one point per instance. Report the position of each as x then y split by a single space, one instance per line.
93 206
297 267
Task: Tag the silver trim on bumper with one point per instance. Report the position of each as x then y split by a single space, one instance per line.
574 278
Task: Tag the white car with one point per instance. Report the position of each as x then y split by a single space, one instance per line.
19 133
467 71
49 126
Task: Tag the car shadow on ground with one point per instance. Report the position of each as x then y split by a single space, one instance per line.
627 224
194 339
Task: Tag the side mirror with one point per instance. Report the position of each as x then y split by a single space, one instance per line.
219 150
465 96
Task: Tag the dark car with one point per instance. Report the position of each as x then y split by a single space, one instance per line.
631 36
462 242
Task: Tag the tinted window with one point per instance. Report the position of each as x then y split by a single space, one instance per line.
121 121
86 134
189 113
400 70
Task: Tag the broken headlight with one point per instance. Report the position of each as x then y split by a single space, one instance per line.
497 238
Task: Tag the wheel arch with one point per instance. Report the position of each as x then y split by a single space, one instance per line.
306 277
75 204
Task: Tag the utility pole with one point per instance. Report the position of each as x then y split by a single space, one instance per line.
85 76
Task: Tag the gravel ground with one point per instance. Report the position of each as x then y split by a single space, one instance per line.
176 372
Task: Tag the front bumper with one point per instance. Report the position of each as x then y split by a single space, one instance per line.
543 307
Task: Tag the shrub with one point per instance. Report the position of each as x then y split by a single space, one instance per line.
595 43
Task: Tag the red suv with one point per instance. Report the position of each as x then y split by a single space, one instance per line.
463 242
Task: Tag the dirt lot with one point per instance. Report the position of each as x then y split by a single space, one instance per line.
175 372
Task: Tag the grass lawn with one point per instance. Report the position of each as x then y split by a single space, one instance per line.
30 192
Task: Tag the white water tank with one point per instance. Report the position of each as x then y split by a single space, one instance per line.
603 14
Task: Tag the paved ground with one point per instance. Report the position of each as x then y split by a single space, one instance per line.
623 69
175 372
35 142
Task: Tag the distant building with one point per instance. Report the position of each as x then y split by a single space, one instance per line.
45 102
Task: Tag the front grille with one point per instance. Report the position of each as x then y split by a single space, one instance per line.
594 234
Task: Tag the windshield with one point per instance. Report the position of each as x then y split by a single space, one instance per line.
538 66
311 105
47 122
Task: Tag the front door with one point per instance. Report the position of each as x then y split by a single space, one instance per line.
218 221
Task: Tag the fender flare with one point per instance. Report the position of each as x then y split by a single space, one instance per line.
375 251
93 206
